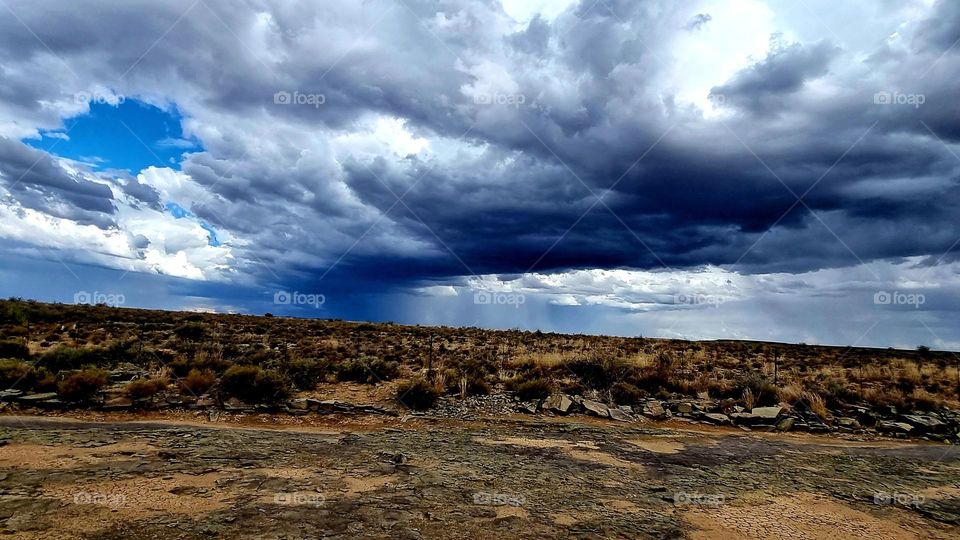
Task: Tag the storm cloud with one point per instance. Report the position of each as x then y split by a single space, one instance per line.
392 145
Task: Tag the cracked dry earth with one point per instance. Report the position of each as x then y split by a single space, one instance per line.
425 478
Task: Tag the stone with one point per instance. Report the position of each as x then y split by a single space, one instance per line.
34 398
717 418
847 422
529 407
685 408
654 409
234 404
923 423
786 423
767 413
621 415
118 404
596 408
895 427
558 403
298 404
327 406
703 396
10 394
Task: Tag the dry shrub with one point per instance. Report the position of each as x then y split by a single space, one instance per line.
84 385
16 374
872 373
925 401
417 393
144 388
255 385
910 376
198 381
531 389
722 388
624 393
545 360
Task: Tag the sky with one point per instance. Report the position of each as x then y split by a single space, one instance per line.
783 170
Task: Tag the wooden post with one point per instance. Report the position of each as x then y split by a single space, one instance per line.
430 361
140 348
776 367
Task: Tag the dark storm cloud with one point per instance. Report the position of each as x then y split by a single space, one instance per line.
940 32
141 192
524 193
764 86
39 182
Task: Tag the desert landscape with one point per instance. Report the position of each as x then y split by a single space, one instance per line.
125 423
444 269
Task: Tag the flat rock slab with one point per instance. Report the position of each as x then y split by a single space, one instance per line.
767 413
33 398
596 408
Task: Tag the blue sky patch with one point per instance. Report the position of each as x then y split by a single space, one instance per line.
180 212
131 135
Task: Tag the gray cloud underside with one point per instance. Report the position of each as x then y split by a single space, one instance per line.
801 121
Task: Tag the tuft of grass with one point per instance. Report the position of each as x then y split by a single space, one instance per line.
817 404
749 400
790 393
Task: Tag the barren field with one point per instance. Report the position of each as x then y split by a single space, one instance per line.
118 423
375 477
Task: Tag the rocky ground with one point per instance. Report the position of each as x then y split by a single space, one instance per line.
256 475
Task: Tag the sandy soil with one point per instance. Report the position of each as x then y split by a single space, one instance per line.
375 477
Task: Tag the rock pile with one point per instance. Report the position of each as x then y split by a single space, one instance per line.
942 425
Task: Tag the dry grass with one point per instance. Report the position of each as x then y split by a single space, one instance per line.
749 400
790 393
816 403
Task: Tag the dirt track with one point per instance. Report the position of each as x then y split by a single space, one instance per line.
441 479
